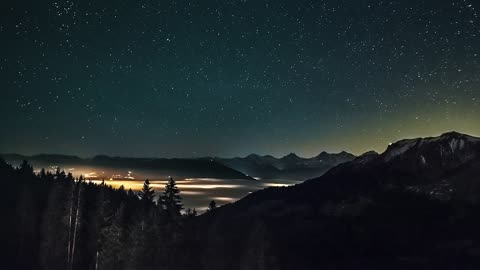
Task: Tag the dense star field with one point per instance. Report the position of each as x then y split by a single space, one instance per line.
227 78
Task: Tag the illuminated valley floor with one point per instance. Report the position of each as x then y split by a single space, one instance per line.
198 192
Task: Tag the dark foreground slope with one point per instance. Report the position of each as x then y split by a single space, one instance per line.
413 207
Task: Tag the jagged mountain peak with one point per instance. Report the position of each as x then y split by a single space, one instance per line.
291 156
290 166
325 154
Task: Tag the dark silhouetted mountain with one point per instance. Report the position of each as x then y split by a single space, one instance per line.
451 159
290 166
335 158
422 164
145 167
415 206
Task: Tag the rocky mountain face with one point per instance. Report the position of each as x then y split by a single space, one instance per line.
451 160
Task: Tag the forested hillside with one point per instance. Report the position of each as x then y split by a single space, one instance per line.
53 221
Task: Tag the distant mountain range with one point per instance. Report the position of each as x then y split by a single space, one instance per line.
446 166
253 166
412 207
142 167
288 167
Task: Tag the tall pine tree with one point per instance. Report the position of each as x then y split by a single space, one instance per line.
147 194
171 200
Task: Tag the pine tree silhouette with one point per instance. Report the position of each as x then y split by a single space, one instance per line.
171 200
212 205
189 212
147 194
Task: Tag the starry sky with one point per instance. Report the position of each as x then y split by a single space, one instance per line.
178 78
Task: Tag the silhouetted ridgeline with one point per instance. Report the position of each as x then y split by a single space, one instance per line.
266 167
184 168
413 207
416 206
288 167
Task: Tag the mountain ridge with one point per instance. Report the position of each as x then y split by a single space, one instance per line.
370 213
202 168
373 170
290 166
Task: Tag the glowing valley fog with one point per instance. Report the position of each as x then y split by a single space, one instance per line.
198 192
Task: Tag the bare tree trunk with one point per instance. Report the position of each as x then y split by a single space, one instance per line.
70 219
96 261
76 226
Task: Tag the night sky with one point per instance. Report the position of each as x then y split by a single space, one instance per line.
228 78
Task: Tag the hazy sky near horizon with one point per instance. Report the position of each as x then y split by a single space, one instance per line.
229 78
